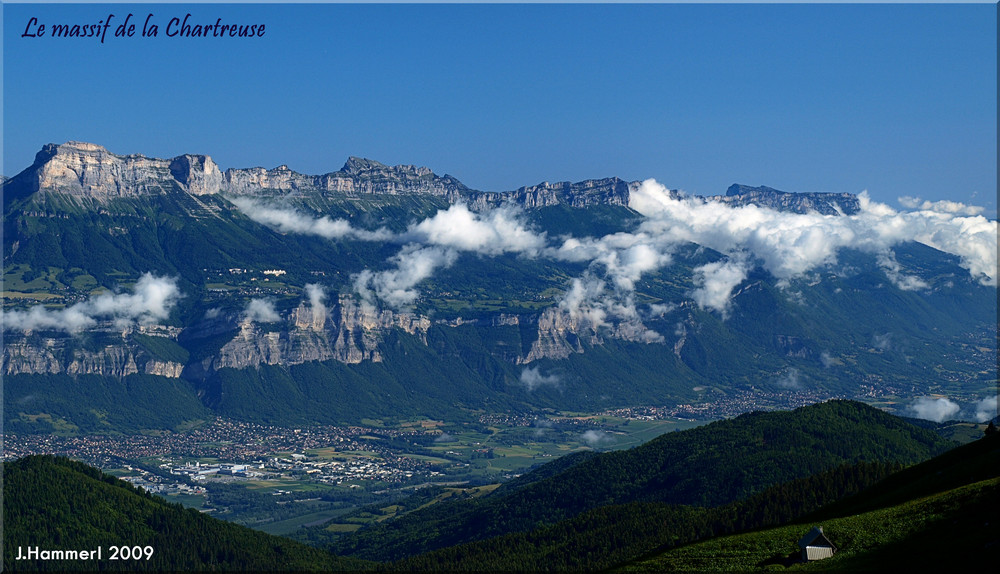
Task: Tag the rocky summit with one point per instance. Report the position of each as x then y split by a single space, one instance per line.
91 171
763 196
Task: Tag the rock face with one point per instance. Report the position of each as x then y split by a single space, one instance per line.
560 334
89 170
608 191
24 358
50 356
358 176
198 174
347 332
824 203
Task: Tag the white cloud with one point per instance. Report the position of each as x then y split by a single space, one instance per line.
585 300
790 379
937 410
151 300
887 261
316 296
944 206
715 282
395 287
882 341
790 244
493 232
986 409
532 379
435 243
261 311
661 309
288 220
595 438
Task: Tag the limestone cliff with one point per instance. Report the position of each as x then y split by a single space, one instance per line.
346 332
32 355
763 196
560 334
90 171
358 176
608 191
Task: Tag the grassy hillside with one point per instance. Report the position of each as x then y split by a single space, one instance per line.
947 504
611 535
58 504
953 531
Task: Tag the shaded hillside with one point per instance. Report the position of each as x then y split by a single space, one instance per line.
952 531
973 462
610 535
59 504
707 466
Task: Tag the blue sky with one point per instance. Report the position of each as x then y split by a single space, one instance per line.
895 99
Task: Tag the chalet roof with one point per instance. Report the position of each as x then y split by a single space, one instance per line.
815 537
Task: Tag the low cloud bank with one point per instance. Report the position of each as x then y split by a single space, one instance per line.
790 379
943 206
288 220
436 242
316 296
716 282
596 438
791 244
788 245
532 378
937 410
261 311
151 300
395 287
985 409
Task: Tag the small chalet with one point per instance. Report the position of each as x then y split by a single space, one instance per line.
816 546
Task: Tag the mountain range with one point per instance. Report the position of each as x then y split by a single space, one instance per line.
144 293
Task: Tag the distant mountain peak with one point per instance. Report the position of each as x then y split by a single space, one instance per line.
802 202
90 170
357 166
361 164
740 189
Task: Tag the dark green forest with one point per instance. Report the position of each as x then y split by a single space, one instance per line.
56 503
706 467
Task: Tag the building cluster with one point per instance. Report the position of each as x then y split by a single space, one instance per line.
223 439
735 404
350 472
